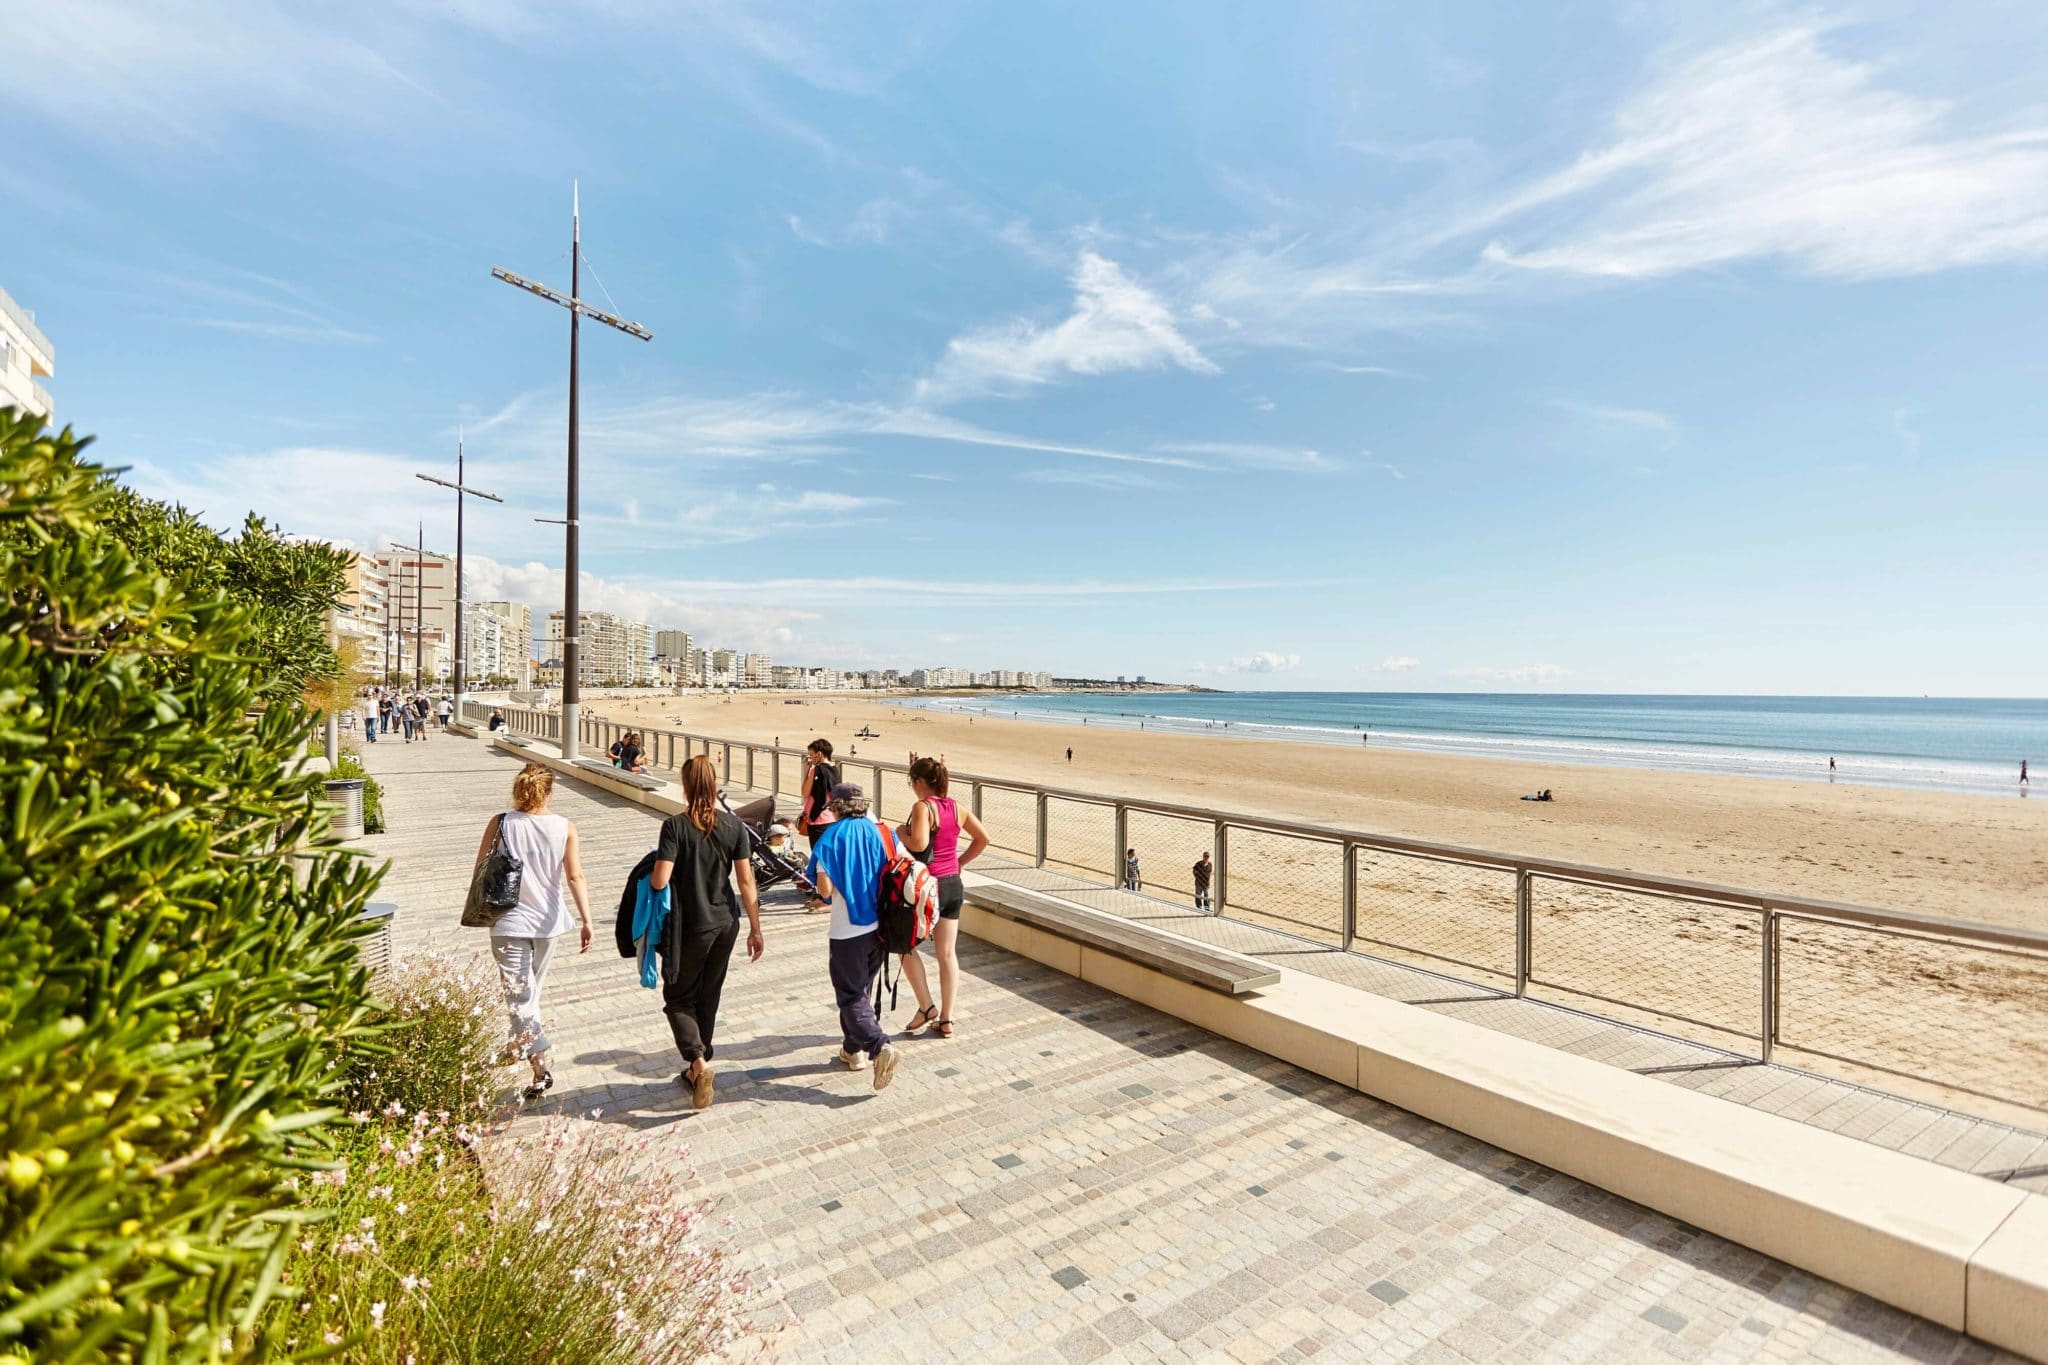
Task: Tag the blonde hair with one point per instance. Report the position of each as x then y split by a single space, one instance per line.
700 789
531 788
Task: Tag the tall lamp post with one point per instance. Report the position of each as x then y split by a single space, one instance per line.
461 601
572 616
419 611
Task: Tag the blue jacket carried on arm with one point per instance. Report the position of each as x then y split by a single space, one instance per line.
643 915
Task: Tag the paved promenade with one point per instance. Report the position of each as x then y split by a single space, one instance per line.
1075 1177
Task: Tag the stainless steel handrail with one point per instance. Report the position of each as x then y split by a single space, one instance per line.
1556 869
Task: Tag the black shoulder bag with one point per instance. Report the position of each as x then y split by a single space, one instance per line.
494 886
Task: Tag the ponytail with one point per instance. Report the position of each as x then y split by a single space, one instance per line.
700 789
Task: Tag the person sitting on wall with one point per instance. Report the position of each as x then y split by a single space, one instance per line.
497 720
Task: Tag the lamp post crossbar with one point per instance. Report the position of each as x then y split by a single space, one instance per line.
572 691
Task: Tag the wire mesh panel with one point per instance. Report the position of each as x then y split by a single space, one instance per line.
1288 881
1168 846
1080 837
1436 914
1970 1016
790 781
1684 967
1010 817
891 794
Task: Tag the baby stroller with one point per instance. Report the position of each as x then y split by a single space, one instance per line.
769 870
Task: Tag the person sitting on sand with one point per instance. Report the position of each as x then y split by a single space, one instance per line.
1543 795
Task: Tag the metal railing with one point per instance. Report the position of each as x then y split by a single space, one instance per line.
1958 1004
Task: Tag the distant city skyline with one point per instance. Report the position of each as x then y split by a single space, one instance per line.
1583 348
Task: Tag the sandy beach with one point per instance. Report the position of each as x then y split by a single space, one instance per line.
1955 855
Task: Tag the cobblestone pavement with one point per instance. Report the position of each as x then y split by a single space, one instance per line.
1075 1177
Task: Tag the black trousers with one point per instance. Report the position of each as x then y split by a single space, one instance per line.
691 986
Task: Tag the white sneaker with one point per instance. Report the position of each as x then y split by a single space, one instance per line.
853 1061
885 1065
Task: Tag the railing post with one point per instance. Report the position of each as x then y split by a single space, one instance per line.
1350 931
1123 837
975 802
1044 801
1767 1025
1221 881
725 768
750 767
775 768
1523 947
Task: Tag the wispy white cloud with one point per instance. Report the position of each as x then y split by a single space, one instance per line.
1116 324
1108 479
1265 661
1635 419
315 333
934 427
1909 436
1775 147
1399 663
990 589
1257 455
1520 675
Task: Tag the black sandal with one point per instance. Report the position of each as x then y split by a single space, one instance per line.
919 1020
541 1085
943 1028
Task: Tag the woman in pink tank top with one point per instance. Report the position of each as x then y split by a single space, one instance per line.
932 834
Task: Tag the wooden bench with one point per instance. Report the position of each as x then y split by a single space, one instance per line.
640 780
1216 969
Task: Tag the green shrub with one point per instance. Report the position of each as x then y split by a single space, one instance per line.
443 1031
580 1248
350 764
177 971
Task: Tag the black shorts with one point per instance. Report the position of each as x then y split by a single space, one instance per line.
952 895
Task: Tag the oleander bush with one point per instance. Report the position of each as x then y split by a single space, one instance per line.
177 968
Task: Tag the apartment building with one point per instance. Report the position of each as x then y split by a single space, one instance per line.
673 644
25 354
614 651
516 629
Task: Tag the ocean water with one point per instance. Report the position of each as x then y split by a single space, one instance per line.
1952 743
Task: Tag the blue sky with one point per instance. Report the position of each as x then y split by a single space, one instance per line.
1579 346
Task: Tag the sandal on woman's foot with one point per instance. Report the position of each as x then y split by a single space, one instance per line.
700 1088
942 1028
923 1017
541 1085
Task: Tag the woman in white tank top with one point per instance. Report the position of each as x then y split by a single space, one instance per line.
523 939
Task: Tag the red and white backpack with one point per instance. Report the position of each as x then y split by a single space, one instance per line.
907 902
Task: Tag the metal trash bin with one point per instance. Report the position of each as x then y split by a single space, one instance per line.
345 807
375 948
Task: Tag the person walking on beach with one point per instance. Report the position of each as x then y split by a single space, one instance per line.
1131 877
1070 753
700 854
847 857
1203 870
932 835
550 857
2023 772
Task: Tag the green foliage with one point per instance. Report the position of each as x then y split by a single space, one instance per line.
350 764
177 970
444 1028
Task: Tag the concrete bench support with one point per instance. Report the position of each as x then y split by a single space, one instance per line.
1184 959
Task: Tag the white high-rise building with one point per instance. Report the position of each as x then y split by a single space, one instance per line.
24 354
612 651
756 670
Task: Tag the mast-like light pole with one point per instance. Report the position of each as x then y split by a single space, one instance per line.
461 601
572 622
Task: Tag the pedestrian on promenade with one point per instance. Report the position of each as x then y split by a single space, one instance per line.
1204 869
523 939
821 775
422 710
700 854
370 720
847 858
406 717
447 710
932 835
1131 878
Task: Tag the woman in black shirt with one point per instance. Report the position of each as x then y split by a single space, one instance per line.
700 853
